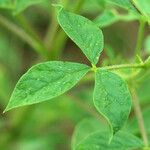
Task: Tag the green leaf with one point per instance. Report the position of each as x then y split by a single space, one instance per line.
86 127
83 32
46 81
112 98
107 18
144 7
99 141
110 17
124 4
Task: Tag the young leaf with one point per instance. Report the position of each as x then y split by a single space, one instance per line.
99 141
112 98
46 81
83 32
86 127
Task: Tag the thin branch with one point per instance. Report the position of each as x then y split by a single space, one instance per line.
61 37
140 37
138 113
122 66
38 47
22 20
53 26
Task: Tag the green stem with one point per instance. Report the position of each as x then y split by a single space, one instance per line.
138 113
90 76
27 27
52 30
53 26
140 37
38 47
123 66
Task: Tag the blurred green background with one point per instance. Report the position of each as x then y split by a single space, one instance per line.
49 125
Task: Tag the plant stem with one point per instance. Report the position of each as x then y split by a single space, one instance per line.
36 45
52 30
27 27
138 113
140 37
122 66
90 77
53 26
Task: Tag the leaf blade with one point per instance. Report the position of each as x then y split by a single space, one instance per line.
46 81
99 140
111 93
127 4
143 6
85 128
87 36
